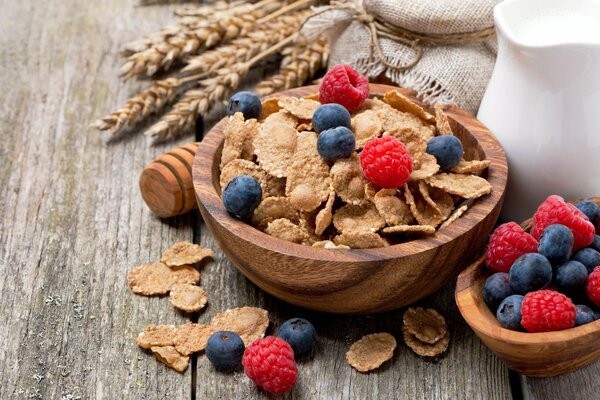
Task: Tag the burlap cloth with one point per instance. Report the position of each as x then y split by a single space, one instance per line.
447 73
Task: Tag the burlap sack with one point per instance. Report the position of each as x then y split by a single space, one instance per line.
448 73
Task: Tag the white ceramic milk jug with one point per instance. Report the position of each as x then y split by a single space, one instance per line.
543 100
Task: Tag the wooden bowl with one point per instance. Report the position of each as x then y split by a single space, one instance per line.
354 281
533 354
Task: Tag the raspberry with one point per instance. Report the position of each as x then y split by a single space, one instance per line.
547 310
270 364
554 210
592 287
508 242
343 85
386 162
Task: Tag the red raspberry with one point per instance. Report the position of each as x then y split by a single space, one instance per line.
343 85
592 287
270 364
554 210
547 310
386 162
508 242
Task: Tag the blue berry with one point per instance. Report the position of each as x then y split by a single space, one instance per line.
245 102
588 257
556 244
571 277
336 143
447 150
224 350
242 195
596 243
330 116
300 334
584 315
496 288
509 312
530 272
590 209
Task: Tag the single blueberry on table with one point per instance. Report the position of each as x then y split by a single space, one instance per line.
225 349
509 312
590 209
556 243
588 257
330 116
584 315
571 277
245 102
336 143
300 334
242 195
495 289
447 150
530 272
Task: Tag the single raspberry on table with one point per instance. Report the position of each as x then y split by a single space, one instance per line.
547 310
269 363
592 287
344 85
507 243
554 210
386 162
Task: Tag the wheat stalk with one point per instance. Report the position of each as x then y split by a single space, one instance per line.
204 10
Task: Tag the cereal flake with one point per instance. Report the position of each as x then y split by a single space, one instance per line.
273 208
366 126
328 244
188 298
156 335
426 229
299 107
244 167
249 322
285 229
466 186
351 218
238 137
426 324
158 278
191 337
441 120
471 167
348 180
361 240
275 144
425 349
269 106
183 253
404 104
371 351
392 208
324 217
171 357
427 167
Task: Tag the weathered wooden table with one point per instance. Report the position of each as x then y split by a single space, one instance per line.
72 223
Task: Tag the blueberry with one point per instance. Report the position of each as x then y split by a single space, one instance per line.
588 257
596 243
530 272
447 150
245 102
330 116
336 143
590 209
571 277
556 244
224 350
509 312
584 315
242 195
496 288
299 333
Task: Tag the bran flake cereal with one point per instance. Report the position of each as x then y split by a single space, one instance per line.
442 123
188 298
244 167
328 244
426 324
171 357
373 103
427 167
423 349
285 229
249 322
414 142
299 107
457 213
426 229
348 180
351 218
157 335
392 208
158 278
191 338
361 240
273 208
274 146
237 133
471 167
366 126
465 186
324 217
269 106
369 352
183 253
403 103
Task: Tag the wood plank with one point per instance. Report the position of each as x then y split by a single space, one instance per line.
580 384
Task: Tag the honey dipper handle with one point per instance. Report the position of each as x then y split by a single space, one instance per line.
166 183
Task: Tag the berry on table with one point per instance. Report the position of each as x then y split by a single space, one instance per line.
245 102
592 287
530 272
224 349
344 85
508 242
269 363
554 210
496 288
447 150
556 243
386 162
590 209
300 334
330 116
547 310
509 312
336 143
571 277
588 257
242 195
585 315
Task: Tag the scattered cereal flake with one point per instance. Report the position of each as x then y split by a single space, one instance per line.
248 322
425 349
466 186
285 229
275 145
308 184
237 133
392 208
361 240
371 351
171 357
188 298
269 106
244 167
192 337
441 120
183 253
158 278
324 217
157 335
348 180
414 142
404 104
273 208
299 107
358 218
471 167
426 229
428 167
426 324
328 244
366 126
457 213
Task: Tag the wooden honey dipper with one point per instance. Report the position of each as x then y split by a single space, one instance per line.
166 183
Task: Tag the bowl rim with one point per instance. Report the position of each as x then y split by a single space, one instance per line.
209 199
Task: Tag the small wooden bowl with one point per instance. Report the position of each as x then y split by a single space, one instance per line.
354 281
532 354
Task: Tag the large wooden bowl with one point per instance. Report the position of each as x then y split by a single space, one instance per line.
533 354
354 281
